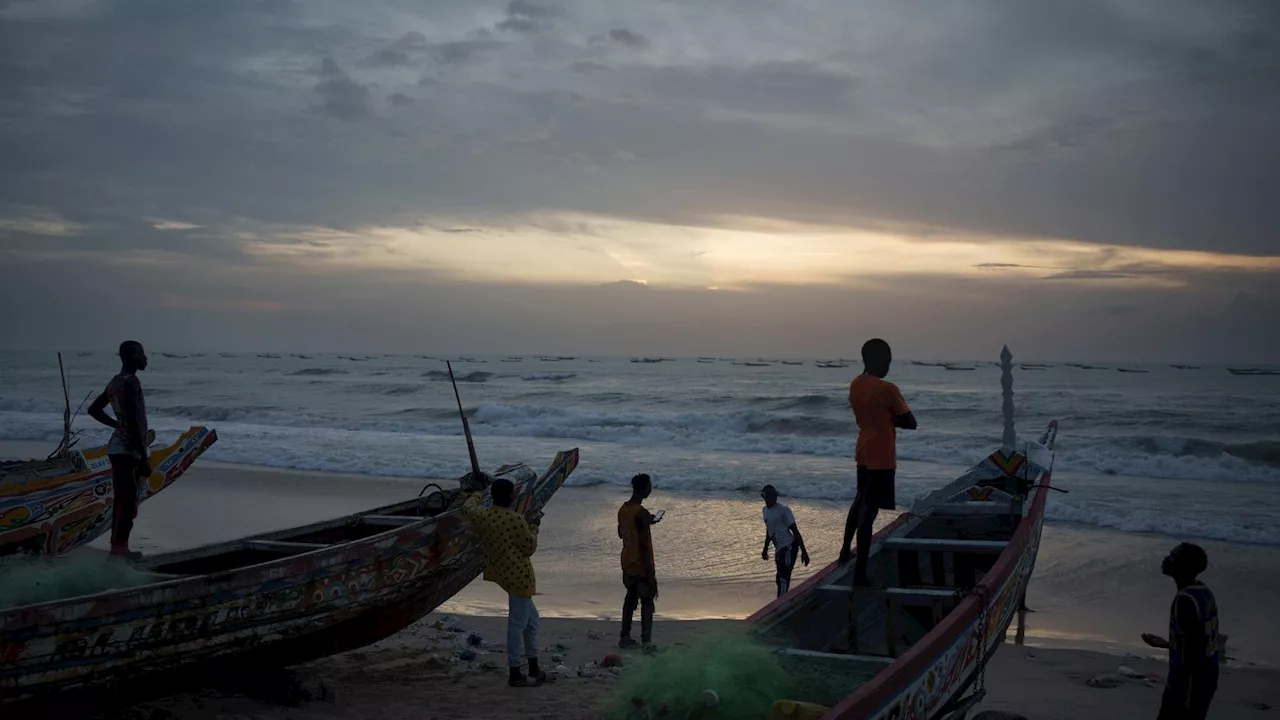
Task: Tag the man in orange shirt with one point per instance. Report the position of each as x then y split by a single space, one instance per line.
880 410
639 576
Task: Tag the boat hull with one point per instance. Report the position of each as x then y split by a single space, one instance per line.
282 612
925 680
53 515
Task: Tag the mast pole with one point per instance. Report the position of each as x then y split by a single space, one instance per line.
466 429
1010 439
66 409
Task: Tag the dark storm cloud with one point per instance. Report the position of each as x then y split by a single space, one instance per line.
343 98
527 17
1101 121
1095 121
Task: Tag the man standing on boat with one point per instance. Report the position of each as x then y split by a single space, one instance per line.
639 575
127 448
509 541
1195 648
880 410
780 529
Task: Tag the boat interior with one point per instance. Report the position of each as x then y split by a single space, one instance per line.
837 636
268 547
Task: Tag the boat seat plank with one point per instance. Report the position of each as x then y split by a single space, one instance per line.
993 547
919 596
970 508
284 545
875 660
389 520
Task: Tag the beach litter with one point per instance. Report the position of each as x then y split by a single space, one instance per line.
611 661
475 640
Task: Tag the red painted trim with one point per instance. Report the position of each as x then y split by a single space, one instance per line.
873 695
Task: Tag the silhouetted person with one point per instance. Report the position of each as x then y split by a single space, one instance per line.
509 542
127 448
880 410
1195 648
781 530
639 576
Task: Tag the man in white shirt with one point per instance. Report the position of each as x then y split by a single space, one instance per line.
780 529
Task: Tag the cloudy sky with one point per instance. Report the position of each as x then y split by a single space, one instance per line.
1094 179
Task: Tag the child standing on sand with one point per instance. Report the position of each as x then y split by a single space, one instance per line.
639 576
1195 647
509 541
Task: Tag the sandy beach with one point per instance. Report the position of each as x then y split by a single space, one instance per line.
1093 593
416 674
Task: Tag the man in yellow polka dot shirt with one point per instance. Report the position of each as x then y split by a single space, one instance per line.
509 541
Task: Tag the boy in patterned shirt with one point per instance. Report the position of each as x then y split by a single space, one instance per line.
509 541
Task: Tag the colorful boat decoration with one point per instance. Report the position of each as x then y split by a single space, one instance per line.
274 599
48 507
948 578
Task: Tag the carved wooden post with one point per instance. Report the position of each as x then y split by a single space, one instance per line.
1010 440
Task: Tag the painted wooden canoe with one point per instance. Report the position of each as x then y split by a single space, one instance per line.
51 507
274 599
947 579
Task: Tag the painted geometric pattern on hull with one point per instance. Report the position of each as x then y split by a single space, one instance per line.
55 515
928 692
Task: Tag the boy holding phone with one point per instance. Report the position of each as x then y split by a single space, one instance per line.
639 576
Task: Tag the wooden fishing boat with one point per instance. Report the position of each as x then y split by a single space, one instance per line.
273 599
948 577
48 507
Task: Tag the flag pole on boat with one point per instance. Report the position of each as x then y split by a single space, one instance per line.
466 429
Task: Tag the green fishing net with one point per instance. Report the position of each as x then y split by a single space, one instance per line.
727 675
25 579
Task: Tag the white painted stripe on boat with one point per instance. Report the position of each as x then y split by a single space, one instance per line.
389 520
946 545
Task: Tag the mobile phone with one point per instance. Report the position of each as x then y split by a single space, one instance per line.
658 515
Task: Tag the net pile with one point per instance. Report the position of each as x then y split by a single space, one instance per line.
25 580
728 675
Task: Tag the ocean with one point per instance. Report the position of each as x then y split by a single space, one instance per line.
1189 453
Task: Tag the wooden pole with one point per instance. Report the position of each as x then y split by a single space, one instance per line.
66 407
466 429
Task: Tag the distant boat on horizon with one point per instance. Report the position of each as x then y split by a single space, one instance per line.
270 356
1185 367
1132 370
1252 371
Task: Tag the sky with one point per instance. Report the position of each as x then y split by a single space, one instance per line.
1091 179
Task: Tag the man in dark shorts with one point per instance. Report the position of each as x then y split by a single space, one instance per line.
127 448
880 410
788 544
639 576
1195 647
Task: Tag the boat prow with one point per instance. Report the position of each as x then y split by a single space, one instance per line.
51 507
